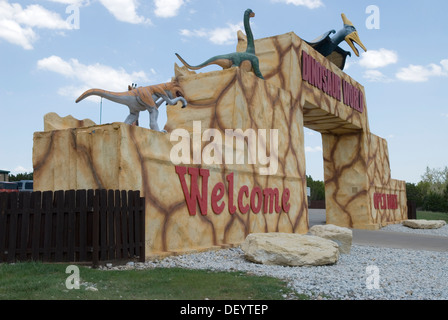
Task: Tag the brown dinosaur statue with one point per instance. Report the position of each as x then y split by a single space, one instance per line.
143 98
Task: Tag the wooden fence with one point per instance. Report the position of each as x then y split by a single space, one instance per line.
72 226
316 204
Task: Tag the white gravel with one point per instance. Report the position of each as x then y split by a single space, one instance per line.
402 274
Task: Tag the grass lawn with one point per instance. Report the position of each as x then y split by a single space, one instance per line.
30 281
426 215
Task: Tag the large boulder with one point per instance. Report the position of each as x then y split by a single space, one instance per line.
342 236
290 249
424 224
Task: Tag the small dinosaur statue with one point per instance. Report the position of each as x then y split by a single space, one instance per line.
247 60
329 46
143 98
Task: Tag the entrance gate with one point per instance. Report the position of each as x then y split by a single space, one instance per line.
194 205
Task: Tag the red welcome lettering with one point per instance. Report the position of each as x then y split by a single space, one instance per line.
271 196
232 208
256 191
193 197
285 200
217 194
243 191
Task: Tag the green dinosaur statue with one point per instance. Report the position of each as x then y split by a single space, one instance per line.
235 59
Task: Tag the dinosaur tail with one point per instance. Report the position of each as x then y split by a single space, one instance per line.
219 60
118 97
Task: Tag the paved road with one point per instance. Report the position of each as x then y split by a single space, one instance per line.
388 239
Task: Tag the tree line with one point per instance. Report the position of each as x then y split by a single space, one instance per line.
20 176
431 193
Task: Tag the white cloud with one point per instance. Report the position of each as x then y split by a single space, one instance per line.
311 4
374 59
220 36
17 23
90 76
69 2
124 10
313 149
21 169
418 73
375 76
167 8
56 64
444 64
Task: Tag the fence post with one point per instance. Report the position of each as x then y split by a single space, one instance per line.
70 204
48 209
81 204
60 215
412 209
13 212
103 224
37 217
142 211
3 211
96 229
110 224
24 200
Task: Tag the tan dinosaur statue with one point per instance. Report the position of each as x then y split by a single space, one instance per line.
143 98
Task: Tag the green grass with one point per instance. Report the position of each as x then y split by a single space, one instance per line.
426 215
30 281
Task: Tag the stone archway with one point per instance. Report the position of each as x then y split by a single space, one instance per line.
359 190
199 205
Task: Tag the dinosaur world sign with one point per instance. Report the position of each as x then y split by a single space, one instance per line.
324 79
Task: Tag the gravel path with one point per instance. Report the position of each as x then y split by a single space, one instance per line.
402 274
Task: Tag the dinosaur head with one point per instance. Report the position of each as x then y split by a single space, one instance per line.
177 91
352 36
249 13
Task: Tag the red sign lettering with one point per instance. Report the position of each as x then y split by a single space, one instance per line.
324 79
255 200
385 201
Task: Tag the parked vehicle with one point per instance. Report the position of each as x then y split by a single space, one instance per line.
8 186
25 185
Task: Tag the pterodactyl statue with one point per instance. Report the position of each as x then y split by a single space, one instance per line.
329 46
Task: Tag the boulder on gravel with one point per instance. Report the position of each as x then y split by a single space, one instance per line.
290 249
424 224
342 236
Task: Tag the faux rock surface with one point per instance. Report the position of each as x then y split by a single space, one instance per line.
424 224
290 249
342 236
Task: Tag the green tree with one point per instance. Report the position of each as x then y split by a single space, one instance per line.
435 202
414 193
436 178
434 189
317 188
21 176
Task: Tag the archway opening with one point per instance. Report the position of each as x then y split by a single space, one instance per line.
315 176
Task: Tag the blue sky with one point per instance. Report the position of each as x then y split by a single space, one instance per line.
53 50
